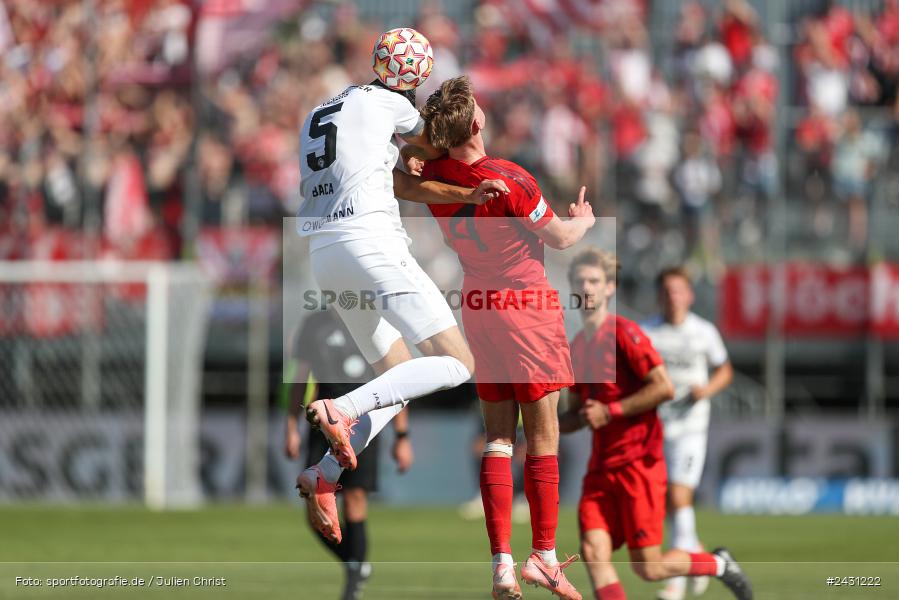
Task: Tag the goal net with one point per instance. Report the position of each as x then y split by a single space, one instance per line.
100 366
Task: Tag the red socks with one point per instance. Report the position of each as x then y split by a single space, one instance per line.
541 486
613 591
703 564
496 493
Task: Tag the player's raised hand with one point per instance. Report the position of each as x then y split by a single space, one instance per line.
582 208
487 190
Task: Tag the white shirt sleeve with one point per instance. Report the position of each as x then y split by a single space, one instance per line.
716 352
405 116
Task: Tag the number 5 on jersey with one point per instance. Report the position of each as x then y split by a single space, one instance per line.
329 130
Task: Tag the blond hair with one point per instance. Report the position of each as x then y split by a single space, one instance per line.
449 112
594 257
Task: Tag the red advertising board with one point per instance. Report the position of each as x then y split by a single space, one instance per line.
817 300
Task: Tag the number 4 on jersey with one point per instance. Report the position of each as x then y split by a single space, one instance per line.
329 130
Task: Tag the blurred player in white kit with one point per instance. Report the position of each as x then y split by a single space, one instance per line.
699 368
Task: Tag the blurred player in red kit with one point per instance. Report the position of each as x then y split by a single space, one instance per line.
513 321
621 379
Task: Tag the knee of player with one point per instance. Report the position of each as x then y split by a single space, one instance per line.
592 554
648 571
543 432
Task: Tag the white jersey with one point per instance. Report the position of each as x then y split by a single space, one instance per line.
690 350
347 156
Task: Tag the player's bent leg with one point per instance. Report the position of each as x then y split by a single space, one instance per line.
651 565
596 551
397 354
382 346
406 380
449 342
369 425
500 421
410 379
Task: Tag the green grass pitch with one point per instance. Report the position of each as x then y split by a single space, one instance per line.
267 552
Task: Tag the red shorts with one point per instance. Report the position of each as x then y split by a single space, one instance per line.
628 502
523 364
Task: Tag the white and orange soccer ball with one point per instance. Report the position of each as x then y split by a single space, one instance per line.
402 59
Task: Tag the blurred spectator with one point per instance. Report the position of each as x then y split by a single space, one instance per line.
738 30
698 180
857 155
100 116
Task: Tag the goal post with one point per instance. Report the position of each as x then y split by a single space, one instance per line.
109 352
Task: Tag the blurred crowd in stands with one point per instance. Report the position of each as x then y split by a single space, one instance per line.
146 120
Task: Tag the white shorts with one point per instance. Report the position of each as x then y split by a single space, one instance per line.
380 293
685 458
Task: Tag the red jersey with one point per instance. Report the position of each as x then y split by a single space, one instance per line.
512 315
608 367
503 251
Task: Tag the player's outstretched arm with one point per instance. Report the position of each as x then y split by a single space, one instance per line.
561 234
657 388
415 189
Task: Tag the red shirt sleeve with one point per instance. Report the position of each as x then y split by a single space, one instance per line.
642 357
526 202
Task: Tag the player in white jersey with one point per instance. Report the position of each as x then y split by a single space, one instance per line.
358 246
699 368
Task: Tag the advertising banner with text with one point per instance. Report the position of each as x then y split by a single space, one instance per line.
818 300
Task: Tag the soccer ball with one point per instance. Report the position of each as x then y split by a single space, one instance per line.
402 59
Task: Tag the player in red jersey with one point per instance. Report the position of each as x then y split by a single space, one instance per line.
513 321
621 379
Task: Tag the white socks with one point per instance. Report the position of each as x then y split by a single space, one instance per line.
721 565
406 381
683 526
378 401
683 537
502 558
548 556
330 468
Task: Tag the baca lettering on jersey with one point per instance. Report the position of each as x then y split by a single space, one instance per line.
341 213
322 188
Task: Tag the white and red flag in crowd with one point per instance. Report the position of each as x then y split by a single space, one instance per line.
229 29
542 19
127 214
237 255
